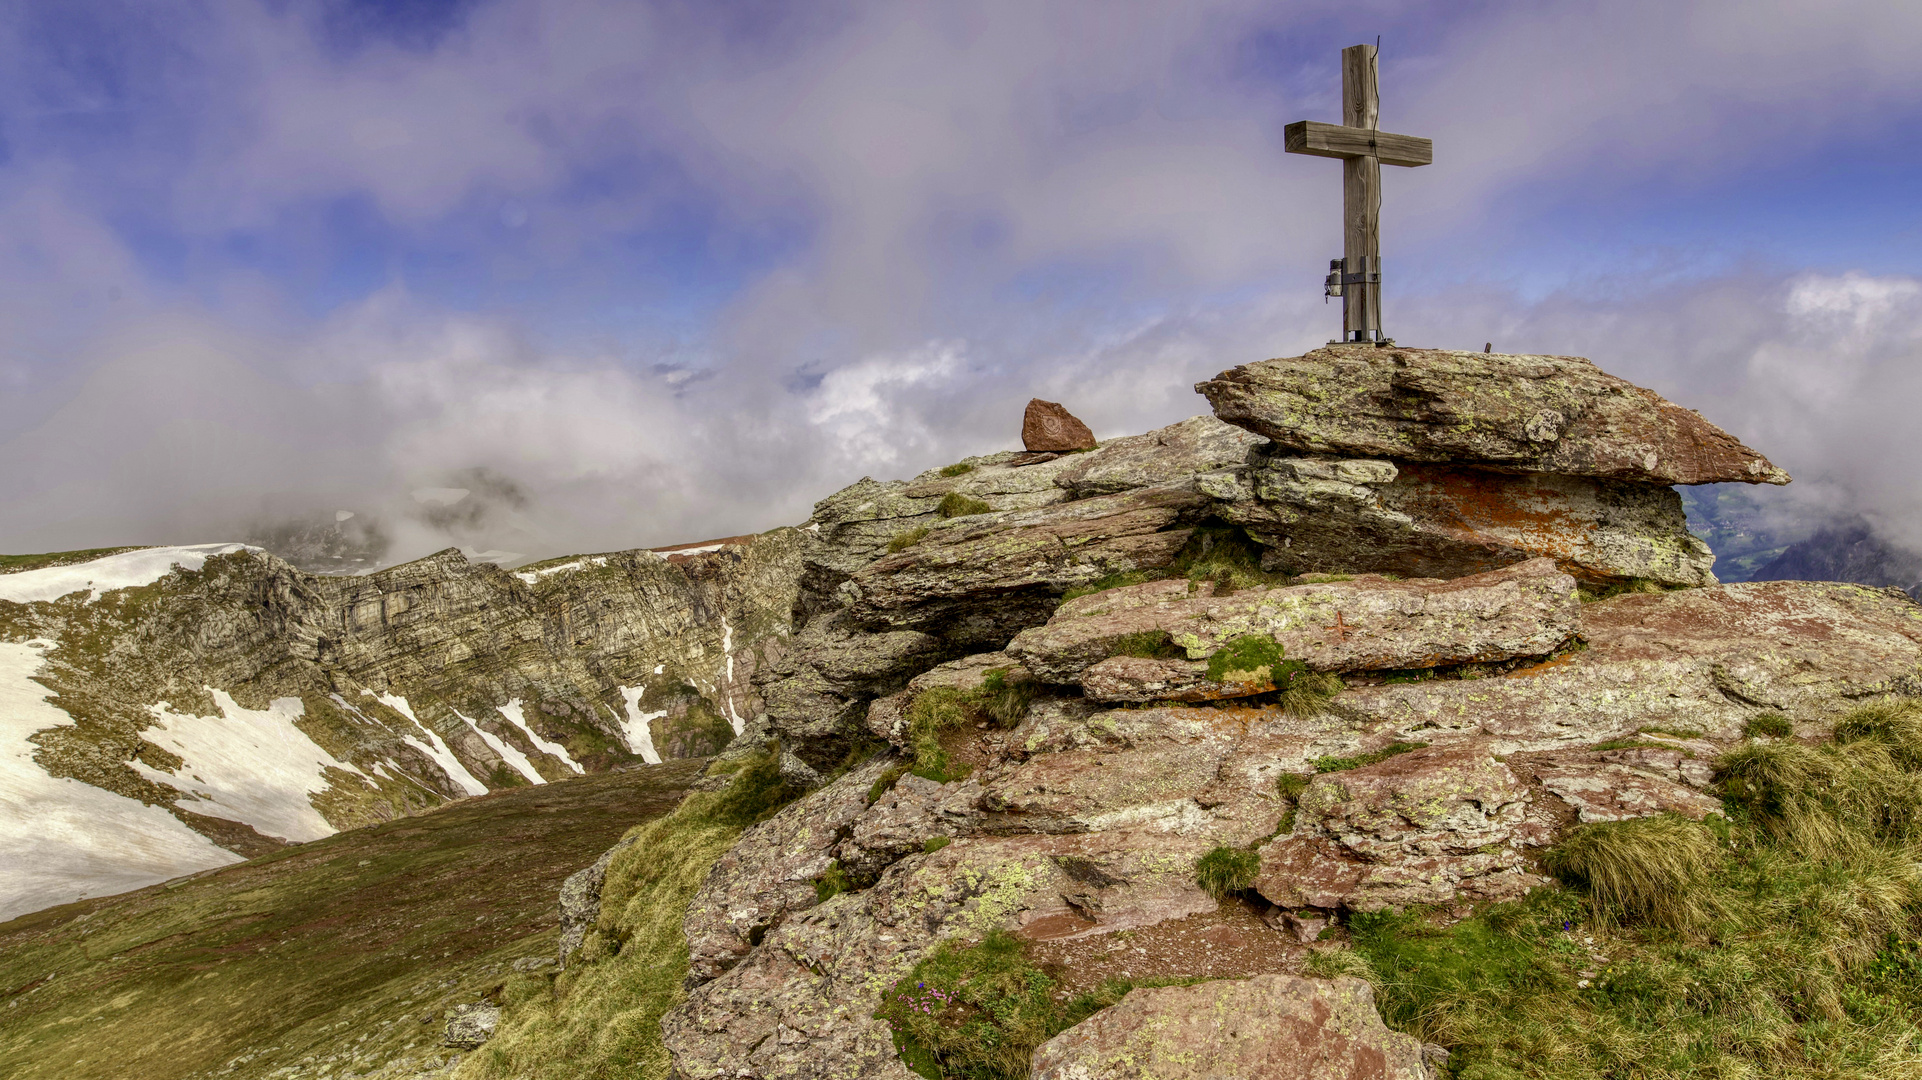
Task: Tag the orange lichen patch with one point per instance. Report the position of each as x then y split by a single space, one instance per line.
1475 506
1544 667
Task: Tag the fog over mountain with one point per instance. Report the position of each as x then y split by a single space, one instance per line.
534 278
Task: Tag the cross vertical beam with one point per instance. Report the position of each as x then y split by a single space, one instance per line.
1361 198
1363 149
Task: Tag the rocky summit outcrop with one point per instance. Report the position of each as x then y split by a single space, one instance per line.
1548 414
1380 642
1270 1027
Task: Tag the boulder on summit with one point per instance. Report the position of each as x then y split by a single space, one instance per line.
1049 427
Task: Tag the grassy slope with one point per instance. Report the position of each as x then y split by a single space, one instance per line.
325 955
602 1018
1781 942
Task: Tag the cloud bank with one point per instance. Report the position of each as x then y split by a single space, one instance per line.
632 274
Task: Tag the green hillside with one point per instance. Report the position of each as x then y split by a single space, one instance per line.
336 958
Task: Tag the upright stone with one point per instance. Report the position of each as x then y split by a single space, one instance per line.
1049 428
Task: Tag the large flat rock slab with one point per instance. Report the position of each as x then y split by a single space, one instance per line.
1270 1027
970 566
1704 659
1362 515
1554 414
1363 624
853 527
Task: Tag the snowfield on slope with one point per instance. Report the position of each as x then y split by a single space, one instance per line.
127 570
247 765
62 840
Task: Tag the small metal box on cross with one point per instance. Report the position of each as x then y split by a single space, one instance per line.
1363 149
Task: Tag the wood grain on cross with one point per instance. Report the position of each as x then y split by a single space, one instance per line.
1363 148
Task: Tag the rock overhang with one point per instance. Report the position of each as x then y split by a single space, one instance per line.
1523 413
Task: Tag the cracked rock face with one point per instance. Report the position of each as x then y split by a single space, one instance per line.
1702 659
1002 571
1344 515
1369 623
1547 414
1270 1027
801 1004
1424 827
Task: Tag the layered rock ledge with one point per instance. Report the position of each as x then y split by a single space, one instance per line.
1549 414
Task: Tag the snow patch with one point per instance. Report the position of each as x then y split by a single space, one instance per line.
62 840
127 570
727 686
640 735
442 754
532 576
247 765
506 751
512 710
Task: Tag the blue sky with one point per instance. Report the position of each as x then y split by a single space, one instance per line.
677 269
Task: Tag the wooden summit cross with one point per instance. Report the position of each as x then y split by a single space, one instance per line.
1363 149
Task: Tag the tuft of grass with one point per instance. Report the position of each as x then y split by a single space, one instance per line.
1291 785
604 1015
933 712
885 782
1895 723
1226 870
1001 699
1341 764
954 505
1771 724
1259 658
902 541
832 883
936 843
977 1012
1652 869
1227 557
1005 700
1147 644
1841 797
959 468
1306 693
1332 963
1112 581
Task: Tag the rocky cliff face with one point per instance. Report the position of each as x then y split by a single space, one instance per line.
1394 628
169 710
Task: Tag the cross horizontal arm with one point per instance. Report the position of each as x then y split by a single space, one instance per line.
1335 141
